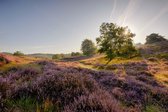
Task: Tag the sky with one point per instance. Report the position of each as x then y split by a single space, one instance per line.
59 26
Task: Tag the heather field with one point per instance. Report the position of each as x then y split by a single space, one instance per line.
124 85
83 56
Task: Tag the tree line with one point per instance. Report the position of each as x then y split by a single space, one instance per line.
114 41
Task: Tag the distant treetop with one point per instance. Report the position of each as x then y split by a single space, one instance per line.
88 47
75 54
18 53
154 37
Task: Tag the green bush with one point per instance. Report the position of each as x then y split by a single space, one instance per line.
57 56
18 53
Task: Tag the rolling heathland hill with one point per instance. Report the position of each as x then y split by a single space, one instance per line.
41 55
139 84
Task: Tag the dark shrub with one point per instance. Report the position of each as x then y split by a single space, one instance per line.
4 86
2 59
160 96
153 59
2 105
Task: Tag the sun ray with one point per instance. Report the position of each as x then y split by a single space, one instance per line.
113 9
129 10
149 23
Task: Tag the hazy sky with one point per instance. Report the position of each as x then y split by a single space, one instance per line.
59 26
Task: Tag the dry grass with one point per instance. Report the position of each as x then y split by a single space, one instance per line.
14 61
155 66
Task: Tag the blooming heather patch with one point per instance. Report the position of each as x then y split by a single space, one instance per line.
99 101
63 87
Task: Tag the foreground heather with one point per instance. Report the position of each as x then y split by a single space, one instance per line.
51 87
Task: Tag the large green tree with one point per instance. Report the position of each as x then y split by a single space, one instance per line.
115 41
88 47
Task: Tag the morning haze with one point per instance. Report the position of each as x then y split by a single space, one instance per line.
59 26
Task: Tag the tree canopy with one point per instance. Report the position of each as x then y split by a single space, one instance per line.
154 37
75 54
115 41
88 47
